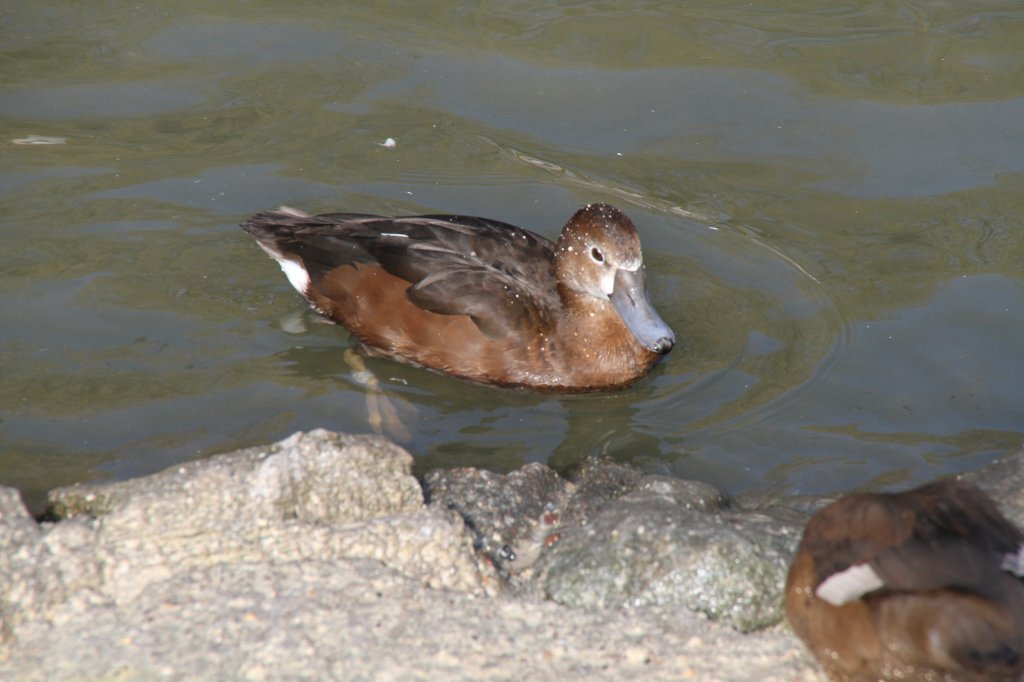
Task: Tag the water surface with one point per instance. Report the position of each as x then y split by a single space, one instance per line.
831 201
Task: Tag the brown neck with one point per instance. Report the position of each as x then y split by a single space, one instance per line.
603 347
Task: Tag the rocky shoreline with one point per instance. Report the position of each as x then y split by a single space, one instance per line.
322 557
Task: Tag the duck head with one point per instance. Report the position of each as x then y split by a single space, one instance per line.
598 254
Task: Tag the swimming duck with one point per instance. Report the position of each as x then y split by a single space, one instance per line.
478 298
924 584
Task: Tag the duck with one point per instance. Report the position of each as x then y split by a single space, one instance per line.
921 584
477 298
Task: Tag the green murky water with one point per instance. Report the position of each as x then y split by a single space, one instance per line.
831 201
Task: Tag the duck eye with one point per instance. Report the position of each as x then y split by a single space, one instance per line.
596 254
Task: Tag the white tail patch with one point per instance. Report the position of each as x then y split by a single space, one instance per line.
846 586
293 212
296 274
1014 563
292 269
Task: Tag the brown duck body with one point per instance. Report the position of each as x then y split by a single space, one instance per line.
921 585
477 298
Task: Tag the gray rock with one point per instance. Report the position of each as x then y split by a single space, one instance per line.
356 620
673 543
19 588
16 526
505 512
316 496
317 476
598 482
1004 481
40 569
619 538
315 558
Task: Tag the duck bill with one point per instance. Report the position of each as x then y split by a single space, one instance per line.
630 298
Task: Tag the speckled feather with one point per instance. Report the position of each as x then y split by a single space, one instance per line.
457 264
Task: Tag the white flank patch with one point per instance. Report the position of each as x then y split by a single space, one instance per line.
846 586
296 274
1014 563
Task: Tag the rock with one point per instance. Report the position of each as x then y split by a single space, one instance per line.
20 591
619 538
505 512
357 620
316 558
673 543
316 496
16 526
598 482
40 570
1003 479
315 477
